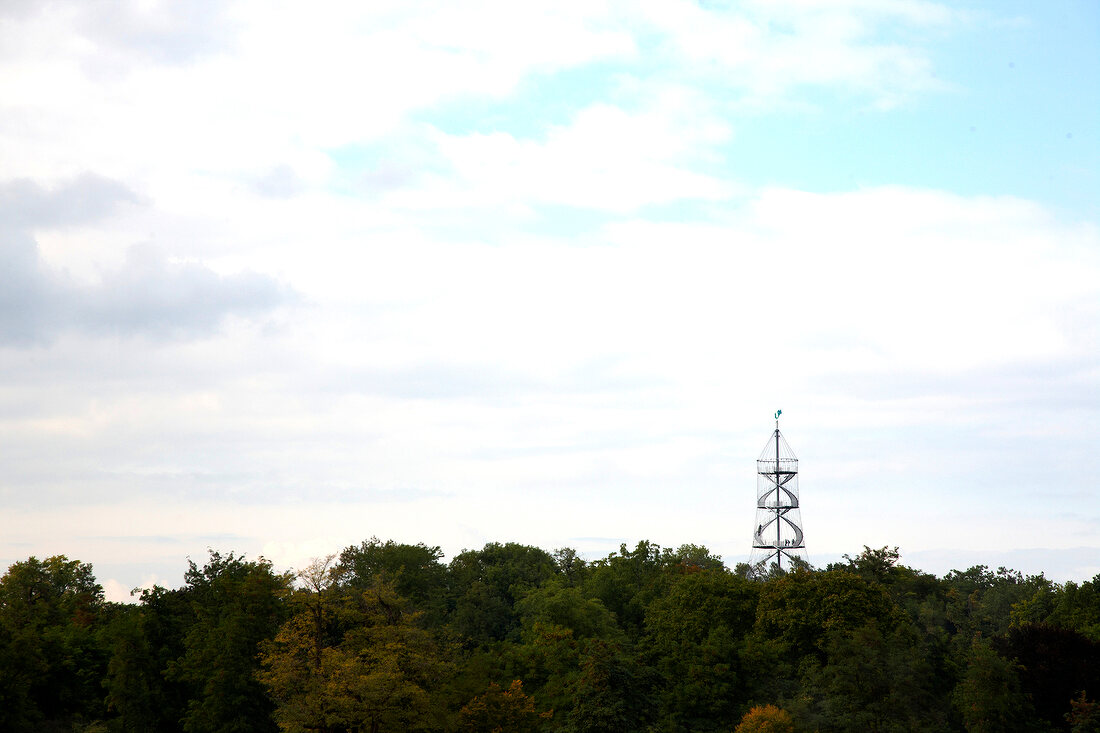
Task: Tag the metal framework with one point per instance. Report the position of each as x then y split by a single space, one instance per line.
778 519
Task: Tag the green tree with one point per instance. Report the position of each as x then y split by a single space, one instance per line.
1054 666
627 581
1077 607
415 572
237 604
981 601
612 692
548 658
695 635
51 662
486 584
871 682
144 641
989 697
800 608
878 566
571 568
565 606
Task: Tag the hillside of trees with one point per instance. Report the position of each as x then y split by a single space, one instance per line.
512 638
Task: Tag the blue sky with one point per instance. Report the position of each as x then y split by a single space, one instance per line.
277 279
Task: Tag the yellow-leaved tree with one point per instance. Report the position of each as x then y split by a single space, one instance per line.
350 660
500 711
766 719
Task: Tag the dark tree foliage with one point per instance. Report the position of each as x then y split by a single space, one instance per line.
51 661
143 642
612 693
237 604
486 583
799 608
1055 666
989 697
511 637
870 682
626 582
1077 607
415 571
501 709
981 601
1084 715
629 580
695 637
571 567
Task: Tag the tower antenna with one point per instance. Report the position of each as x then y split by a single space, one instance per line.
778 519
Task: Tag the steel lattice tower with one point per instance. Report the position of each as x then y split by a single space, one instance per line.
778 519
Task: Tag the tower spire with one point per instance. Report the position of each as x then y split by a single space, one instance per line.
778 518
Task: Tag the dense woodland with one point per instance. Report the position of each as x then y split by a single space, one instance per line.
511 638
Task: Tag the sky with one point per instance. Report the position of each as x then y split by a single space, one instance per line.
279 277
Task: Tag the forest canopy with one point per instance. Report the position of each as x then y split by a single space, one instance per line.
386 636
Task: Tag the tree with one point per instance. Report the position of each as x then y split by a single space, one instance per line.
1054 666
982 601
871 682
570 566
502 711
415 572
626 582
566 607
766 719
798 609
369 668
237 604
1077 607
612 693
144 641
487 583
51 663
694 637
629 580
878 566
1084 715
989 696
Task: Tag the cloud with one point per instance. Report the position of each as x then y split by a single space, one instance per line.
162 32
280 182
271 88
771 50
149 295
25 204
607 158
155 297
28 307
117 34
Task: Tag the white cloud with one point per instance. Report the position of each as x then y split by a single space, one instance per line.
606 159
772 49
290 78
268 85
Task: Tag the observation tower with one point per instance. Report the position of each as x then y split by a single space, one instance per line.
778 531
